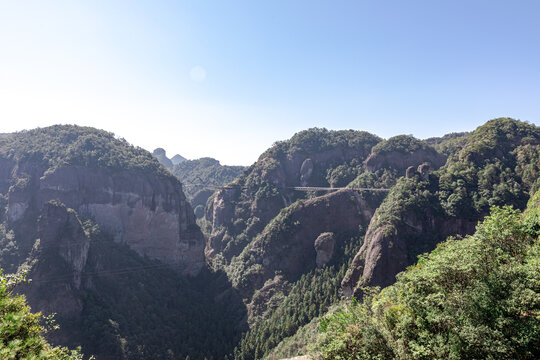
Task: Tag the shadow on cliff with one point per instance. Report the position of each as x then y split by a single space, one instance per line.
116 304
153 311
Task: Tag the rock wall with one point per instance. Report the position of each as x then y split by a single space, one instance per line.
386 250
301 240
146 212
56 263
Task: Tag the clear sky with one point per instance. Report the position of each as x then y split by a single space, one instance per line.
228 78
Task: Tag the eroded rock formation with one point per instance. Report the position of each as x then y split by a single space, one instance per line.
147 212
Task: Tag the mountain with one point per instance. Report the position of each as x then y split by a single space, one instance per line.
177 159
497 165
161 155
111 244
122 188
202 177
476 297
284 249
114 248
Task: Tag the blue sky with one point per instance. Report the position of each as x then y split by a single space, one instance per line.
228 78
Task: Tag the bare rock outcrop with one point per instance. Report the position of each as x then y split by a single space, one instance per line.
324 246
306 170
302 236
60 228
387 249
161 156
147 212
423 170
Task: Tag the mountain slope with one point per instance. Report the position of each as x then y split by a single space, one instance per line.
121 187
271 239
112 246
498 165
203 176
471 298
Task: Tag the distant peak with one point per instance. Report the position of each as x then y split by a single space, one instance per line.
177 159
159 152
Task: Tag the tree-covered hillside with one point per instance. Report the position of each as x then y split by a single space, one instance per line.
498 165
95 221
60 145
204 175
271 239
414 217
476 297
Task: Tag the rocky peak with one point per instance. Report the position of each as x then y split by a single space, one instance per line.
400 152
161 156
177 159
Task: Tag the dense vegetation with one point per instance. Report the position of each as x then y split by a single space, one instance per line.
21 331
402 144
204 173
149 311
471 298
498 165
61 145
296 305
449 144
316 140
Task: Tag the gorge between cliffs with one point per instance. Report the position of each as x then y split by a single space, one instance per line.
252 263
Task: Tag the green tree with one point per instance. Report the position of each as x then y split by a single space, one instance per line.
21 332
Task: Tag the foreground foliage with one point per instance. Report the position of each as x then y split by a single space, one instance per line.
21 332
471 298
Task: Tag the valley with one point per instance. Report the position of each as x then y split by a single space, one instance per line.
145 257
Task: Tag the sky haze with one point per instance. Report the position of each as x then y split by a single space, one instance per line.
226 79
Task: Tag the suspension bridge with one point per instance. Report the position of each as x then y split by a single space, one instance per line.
295 188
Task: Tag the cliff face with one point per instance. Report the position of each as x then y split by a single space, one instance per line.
387 251
146 212
240 212
56 262
122 188
305 234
